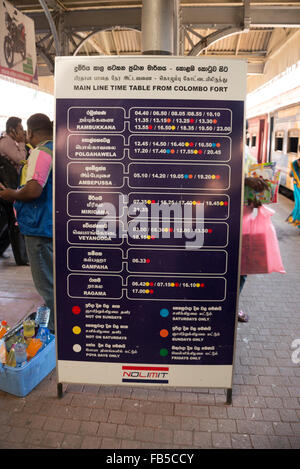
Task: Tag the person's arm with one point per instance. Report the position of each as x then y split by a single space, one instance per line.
31 191
257 184
15 151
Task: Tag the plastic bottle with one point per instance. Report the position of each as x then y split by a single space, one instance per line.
42 316
20 353
3 351
33 347
28 329
3 328
11 359
44 335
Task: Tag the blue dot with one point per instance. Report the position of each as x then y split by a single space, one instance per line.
186 176
164 312
213 144
168 151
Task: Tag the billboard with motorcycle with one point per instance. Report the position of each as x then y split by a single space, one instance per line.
17 44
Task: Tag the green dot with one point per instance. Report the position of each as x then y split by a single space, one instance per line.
163 352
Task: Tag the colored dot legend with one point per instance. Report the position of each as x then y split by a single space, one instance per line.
77 348
76 330
164 313
164 333
150 127
163 352
76 310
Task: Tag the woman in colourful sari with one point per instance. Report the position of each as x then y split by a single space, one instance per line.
294 217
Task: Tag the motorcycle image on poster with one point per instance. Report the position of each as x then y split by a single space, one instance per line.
17 44
15 39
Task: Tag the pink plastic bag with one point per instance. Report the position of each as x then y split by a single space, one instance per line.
260 248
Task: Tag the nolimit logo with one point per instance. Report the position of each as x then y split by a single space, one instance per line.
145 374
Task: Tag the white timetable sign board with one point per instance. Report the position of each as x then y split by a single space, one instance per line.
148 183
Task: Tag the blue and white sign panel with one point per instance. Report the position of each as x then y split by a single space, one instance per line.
148 182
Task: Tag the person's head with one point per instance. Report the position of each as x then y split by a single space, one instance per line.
15 129
39 128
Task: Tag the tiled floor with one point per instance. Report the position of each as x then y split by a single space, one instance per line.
265 412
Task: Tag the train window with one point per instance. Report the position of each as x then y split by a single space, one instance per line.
293 141
253 141
278 142
248 140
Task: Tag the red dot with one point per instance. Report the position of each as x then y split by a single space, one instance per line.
218 145
200 152
148 261
192 120
190 176
151 284
176 284
218 176
171 229
191 144
151 292
152 237
150 127
215 121
202 285
152 201
210 230
172 151
226 203
76 310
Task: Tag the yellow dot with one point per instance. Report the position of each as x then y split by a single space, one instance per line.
198 285
172 284
76 330
148 201
147 291
195 151
194 202
173 127
221 203
147 284
148 237
187 144
166 229
213 176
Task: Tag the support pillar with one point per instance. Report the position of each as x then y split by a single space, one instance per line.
158 26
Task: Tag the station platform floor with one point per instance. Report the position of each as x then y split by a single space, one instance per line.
265 409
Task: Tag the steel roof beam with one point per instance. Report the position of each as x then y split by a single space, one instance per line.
200 16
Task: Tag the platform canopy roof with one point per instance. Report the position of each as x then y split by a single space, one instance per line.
259 31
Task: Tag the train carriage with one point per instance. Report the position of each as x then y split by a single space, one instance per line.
276 137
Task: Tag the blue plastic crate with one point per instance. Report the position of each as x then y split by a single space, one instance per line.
21 380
